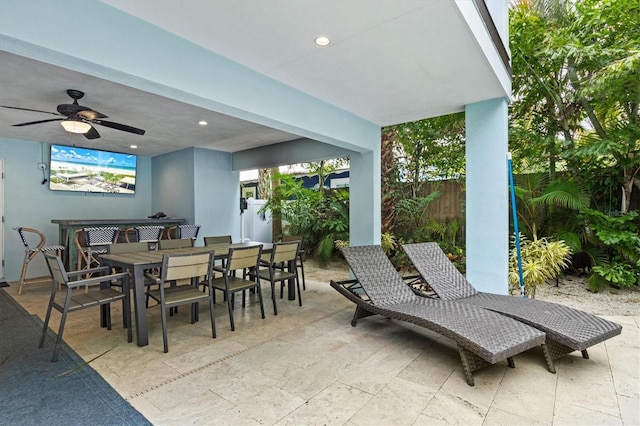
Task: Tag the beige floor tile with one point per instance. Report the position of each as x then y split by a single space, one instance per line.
333 406
398 403
447 408
496 416
629 409
527 392
571 414
587 382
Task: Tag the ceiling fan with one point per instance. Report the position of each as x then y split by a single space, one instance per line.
78 118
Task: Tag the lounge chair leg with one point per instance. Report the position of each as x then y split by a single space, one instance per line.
359 313
548 359
585 354
511 362
470 363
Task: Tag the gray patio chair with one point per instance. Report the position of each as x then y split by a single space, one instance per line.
567 329
69 299
181 267
483 337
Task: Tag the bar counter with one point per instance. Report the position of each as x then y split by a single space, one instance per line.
68 227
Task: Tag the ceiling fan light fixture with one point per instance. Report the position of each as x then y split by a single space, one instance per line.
75 126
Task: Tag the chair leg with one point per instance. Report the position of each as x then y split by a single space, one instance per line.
273 298
299 294
163 315
304 284
63 320
23 273
229 305
213 317
46 323
261 302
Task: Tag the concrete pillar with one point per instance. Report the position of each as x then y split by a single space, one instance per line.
487 208
364 189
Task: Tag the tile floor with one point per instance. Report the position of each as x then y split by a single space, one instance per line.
308 366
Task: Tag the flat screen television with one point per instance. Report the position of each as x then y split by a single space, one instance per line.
91 170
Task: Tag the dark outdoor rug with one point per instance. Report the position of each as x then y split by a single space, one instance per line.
34 390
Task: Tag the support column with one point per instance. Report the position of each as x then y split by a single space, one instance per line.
487 204
364 204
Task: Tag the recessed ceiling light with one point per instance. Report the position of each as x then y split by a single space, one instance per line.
322 40
202 123
133 146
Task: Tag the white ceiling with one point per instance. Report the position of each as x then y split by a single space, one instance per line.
389 62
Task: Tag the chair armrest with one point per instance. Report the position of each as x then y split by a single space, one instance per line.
97 280
101 269
149 276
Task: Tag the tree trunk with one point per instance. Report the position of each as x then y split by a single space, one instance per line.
627 188
264 184
387 168
276 214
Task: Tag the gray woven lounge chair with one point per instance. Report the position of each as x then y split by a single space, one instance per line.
483 337
567 329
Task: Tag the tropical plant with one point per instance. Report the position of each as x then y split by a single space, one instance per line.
618 237
542 259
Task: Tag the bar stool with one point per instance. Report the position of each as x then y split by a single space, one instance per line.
148 234
183 231
28 236
96 241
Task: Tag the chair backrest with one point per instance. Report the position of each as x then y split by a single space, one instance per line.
188 231
218 239
128 247
102 236
182 266
284 252
244 257
438 271
377 275
288 238
29 237
149 233
56 268
174 244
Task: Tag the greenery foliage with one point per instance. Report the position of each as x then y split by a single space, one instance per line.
542 259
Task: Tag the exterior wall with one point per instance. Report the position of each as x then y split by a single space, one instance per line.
29 203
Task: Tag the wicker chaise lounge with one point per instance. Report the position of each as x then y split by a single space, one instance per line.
483 337
567 329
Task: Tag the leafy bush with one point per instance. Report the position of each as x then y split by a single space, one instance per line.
542 259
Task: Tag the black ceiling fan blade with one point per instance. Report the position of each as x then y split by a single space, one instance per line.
37 122
119 126
29 109
92 133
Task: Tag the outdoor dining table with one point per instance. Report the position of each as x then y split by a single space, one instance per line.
138 262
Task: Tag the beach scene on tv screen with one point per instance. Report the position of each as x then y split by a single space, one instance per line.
91 170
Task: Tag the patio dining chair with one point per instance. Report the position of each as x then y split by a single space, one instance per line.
301 253
101 293
34 242
239 259
276 272
176 268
